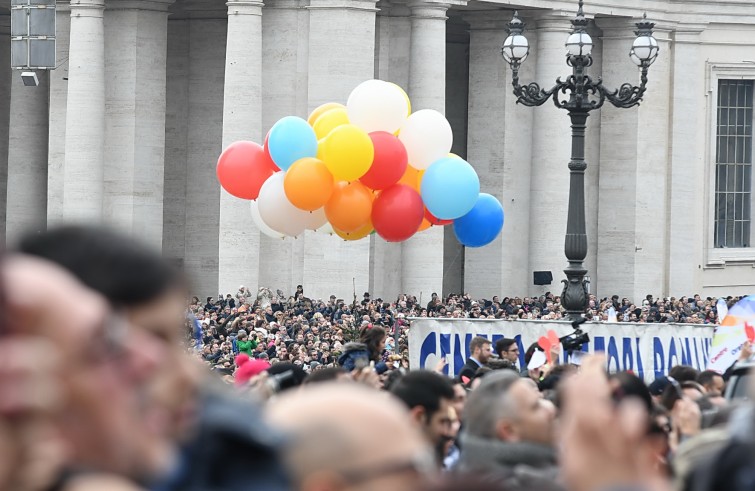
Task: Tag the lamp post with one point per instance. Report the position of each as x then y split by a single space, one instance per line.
578 95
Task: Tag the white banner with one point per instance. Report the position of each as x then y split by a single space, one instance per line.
648 350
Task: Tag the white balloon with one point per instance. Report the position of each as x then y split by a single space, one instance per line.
257 219
376 105
277 211
427 137
327 229
316 219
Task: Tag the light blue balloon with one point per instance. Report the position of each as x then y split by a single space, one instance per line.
482 224
291 139
450 187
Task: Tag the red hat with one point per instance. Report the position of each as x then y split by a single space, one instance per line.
248 368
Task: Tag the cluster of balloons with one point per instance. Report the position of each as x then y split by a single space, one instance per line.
371 166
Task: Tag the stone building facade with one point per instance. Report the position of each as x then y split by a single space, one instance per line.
127 130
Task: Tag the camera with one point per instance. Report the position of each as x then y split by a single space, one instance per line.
577 339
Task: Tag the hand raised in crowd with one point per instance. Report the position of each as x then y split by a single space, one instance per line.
746 352
601 441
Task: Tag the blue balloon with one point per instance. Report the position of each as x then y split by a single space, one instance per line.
482 225
291 139
449 188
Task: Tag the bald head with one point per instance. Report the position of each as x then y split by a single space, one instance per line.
338 431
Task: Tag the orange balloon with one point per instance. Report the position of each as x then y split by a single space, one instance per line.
424 225
350 206
359 233
322 109
308 184
412 178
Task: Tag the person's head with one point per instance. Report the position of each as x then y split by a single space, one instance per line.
329 374
479 349
507 349
374 338
429 397
149 292
506 407
345 449
102 365
683 373
712 382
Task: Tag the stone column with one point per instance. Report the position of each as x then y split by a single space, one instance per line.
592 157
687 166
85 114
393 42
56 152
207 42
551 148
285 39
618 169
27 158
176 142
422 255
651 273
239 239
497 126
5 90
341 43
136 54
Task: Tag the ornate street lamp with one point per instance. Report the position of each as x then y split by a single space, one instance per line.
581 94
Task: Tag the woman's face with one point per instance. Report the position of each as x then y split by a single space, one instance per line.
381 345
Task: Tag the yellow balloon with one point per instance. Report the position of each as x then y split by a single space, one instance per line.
453 156
321 109
357 234
347 152
408 102
330 120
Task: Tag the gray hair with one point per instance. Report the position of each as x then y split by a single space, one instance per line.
489 403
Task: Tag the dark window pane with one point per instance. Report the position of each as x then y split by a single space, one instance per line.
18 23
19 54
740 178
42 22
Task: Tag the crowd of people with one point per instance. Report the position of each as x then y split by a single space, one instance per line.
104 385
315 333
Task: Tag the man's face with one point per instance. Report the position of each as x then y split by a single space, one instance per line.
534 420
483 353
282 352
439 428
103 365
716 387
512 354
460 398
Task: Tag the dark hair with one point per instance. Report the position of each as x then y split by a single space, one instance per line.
292 375
371 336
705 378
477 342
503 345
125 271
683 373
629 385
423 388
328 374
530 351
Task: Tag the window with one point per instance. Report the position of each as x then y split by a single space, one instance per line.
733 187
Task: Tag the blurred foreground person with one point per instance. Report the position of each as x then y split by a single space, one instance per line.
67 384
508 434
208 429
430 399
345 437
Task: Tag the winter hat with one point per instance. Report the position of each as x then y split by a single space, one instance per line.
248 368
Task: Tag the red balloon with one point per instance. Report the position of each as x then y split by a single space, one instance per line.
267 154
397 213
436 221
389 163
242 169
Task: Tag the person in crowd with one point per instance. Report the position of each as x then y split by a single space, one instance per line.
509 434
508 349
368 443
430 399
176 402
368 350
479 354
712 382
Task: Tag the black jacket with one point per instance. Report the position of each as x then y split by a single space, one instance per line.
469 369
232 450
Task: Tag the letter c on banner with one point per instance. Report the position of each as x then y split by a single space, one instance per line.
429 347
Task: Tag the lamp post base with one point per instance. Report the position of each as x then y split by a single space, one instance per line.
574 296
